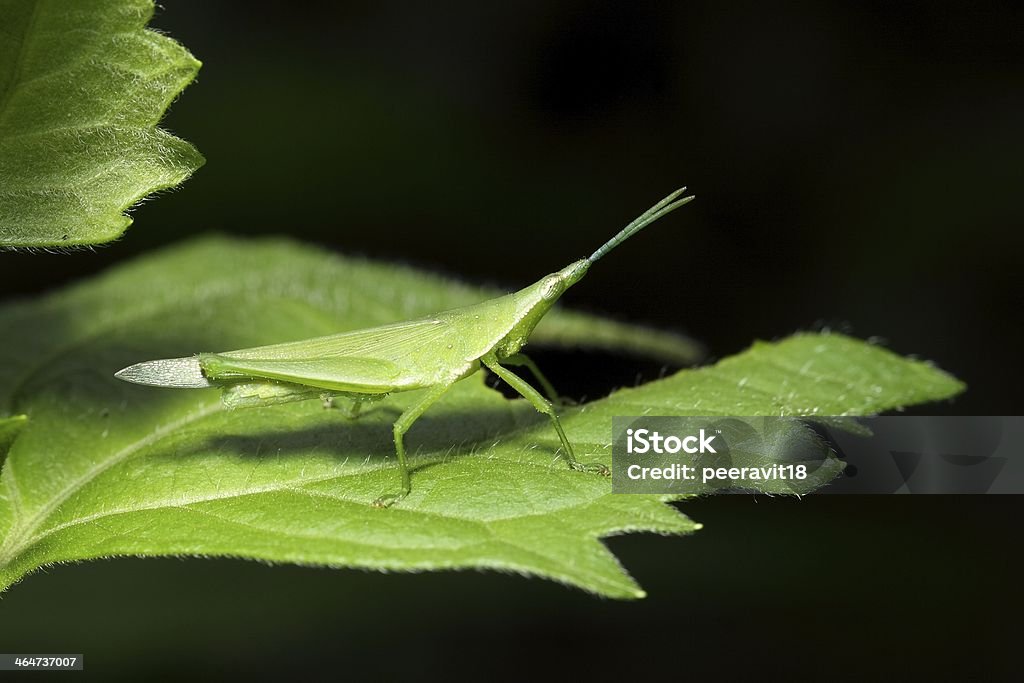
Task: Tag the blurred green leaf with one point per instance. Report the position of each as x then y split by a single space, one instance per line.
10 427
83 85
104 468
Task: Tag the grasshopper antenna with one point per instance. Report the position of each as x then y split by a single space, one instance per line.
666 205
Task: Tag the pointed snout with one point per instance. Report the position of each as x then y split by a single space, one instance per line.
574 272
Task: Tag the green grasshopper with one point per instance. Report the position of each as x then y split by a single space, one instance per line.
429 354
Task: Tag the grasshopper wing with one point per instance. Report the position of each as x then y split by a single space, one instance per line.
341 373
376 360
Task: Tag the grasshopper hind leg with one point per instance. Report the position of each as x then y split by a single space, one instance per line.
544 406
350 408
349 405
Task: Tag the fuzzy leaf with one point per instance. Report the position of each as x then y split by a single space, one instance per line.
104 468
10 427
83 85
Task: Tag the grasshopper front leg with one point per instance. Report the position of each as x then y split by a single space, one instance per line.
544 406
521 359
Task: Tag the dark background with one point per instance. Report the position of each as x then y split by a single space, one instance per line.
857 167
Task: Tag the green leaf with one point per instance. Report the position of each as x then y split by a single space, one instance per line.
10 427
83 85
105 468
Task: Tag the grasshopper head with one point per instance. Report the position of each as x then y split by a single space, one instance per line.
554 285
538 299
533 303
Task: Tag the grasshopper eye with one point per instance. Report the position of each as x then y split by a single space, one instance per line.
552 288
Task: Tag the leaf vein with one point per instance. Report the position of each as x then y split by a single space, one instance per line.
20 536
